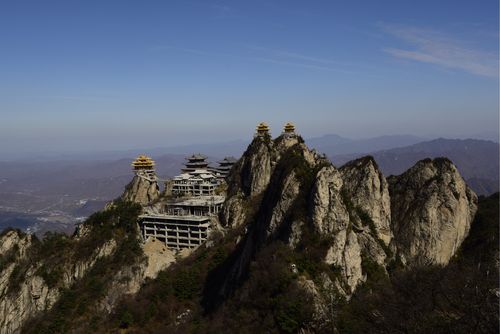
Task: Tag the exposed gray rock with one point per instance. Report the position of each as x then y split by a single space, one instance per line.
345 254
248 180
33 295
290 191
233 213
255 167
367 189
329 214
432 209
143 189
336 198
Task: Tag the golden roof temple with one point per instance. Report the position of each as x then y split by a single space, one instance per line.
289 128
262 129
143 162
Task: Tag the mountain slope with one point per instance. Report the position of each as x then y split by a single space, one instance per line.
302 247
302 239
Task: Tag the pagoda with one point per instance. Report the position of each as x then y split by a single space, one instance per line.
225 165
194 162
289 129
262 130
143 163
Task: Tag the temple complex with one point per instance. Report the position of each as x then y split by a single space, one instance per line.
185 218
199 182
184 223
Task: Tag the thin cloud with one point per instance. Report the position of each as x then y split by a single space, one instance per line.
434 47
290 55
302 65
266 55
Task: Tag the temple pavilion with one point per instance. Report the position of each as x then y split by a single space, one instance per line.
289 128
143 162
262 129
225 165
195 162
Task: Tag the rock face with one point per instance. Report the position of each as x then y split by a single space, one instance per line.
255 167
27 293
367 189
249 178
143 189
340 226
338 199
279 189
432 209
33 295
329 214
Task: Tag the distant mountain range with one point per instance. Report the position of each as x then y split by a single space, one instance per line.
477 160
335 145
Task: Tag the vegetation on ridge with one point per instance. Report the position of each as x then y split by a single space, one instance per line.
79 302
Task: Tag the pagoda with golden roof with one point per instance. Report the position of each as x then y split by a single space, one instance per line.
143 162
262 129
289 128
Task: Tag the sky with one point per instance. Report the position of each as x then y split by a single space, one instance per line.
100 75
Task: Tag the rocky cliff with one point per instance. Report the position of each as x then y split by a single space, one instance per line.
143 189
26 286
431 209
301 238
58 278
351 219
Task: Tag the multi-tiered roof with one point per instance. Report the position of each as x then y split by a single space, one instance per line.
143 162
195 162
262 129
224 167
289 128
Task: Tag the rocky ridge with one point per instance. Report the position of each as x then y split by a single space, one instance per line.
41 278
281 190
340 227
33 293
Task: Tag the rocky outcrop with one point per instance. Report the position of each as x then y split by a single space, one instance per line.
32 294
420 217
367 189
143 189
432 209
335 215
253 171
329 213
340 226
158 256
248 179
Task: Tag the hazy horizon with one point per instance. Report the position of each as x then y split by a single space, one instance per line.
93 76
186 147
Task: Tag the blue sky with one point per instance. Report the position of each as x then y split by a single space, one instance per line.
95 75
